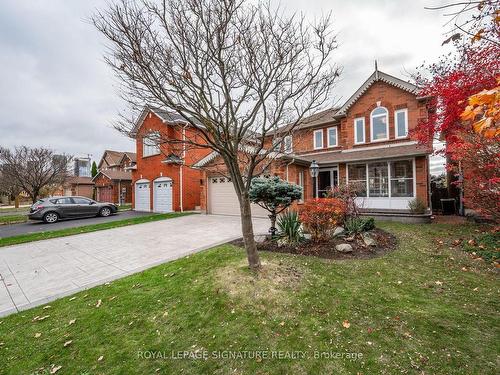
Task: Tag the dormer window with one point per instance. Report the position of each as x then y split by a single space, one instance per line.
379 124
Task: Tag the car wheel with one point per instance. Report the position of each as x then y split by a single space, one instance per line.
50 217
105 212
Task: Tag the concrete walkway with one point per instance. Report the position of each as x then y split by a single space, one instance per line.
35 273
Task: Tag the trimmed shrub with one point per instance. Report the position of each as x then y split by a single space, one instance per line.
321 215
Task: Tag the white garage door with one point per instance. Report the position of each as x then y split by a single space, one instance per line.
222 199
162 195
142 193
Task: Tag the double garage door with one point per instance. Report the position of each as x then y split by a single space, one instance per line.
222 198
162 195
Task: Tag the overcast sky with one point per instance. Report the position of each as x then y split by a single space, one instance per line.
56 91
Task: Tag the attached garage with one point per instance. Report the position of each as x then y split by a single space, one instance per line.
162 195
142 195
222 198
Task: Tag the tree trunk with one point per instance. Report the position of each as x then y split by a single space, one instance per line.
16 201
247 229
272 230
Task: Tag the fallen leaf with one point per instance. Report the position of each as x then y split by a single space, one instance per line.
439 282
98 304
72 321
46 307
68 343
54 369
282 324
72 298
165 313
346 324
112 298
40 318
100 358
37 335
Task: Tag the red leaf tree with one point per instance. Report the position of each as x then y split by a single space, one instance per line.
449 84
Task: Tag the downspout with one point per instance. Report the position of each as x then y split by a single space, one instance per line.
429 189
120 192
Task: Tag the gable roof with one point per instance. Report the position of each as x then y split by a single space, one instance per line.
168 117
113 158
376 76
131 155
114 174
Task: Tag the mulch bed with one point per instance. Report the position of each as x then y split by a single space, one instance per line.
385 242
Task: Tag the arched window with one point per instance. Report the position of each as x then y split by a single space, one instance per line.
379 124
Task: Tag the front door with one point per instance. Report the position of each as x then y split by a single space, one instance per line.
327 179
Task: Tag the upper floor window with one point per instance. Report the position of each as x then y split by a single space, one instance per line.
401 123
332 137
359 130
287 144
150 144
379 121
318 139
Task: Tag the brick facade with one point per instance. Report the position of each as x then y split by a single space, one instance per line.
153 167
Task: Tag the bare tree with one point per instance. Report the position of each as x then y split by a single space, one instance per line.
234 69
33 169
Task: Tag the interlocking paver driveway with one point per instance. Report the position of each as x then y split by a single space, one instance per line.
38 272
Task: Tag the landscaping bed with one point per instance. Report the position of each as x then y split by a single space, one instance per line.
383 243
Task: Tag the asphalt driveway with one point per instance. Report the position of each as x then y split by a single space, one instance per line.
33 226
35 273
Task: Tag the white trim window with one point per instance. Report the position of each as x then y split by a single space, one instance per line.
402 178
333 140
287 144
359 130
318 139
150 144
379 124
378 179
401 123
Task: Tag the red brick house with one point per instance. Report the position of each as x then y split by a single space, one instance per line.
366 140
162 178
113 181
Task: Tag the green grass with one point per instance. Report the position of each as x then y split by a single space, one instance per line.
14 240
426 308
13 219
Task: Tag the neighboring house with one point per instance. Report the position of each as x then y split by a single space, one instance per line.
365 141
79 186
162 178
113 181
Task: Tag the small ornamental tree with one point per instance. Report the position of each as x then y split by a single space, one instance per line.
321 215
94 169
274 195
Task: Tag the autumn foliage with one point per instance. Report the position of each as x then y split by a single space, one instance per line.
321 215
463 98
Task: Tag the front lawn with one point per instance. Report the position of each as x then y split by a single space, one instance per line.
425 308
13 219
14 240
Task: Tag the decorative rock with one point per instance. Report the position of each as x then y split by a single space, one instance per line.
307 236
338 231
260 238
344 248
368 240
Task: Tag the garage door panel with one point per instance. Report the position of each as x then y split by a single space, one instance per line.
162 191
142 196
224 201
